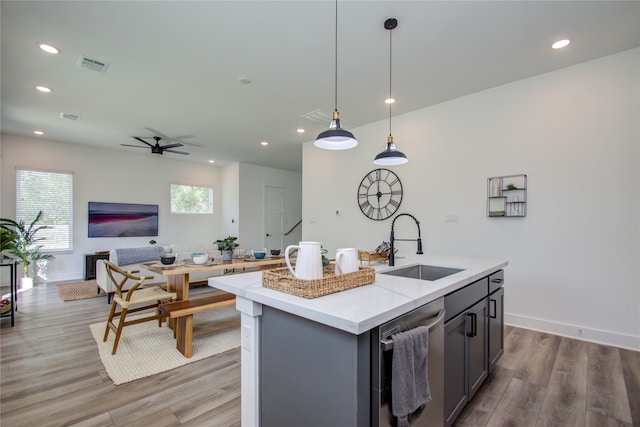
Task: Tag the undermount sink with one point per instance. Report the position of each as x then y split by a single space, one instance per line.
423 272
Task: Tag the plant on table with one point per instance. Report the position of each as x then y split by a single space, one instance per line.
25 247
226 246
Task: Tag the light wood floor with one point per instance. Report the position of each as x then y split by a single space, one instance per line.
51 375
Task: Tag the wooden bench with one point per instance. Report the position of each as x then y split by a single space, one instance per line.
183 311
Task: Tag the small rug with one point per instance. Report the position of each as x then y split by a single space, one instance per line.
146 349
79 290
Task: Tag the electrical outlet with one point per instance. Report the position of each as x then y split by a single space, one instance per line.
338 212
451 218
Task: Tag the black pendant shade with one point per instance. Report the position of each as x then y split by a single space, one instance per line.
336 138
390 156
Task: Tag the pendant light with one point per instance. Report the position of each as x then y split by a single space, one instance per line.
336 138
390 156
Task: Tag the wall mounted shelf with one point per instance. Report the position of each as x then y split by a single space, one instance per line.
507 196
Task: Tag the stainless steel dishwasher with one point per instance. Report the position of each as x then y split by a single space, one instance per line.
432 316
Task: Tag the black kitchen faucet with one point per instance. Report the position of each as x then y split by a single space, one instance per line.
393 239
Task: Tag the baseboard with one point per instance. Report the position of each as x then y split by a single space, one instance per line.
599 336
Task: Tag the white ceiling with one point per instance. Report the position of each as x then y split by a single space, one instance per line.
175 65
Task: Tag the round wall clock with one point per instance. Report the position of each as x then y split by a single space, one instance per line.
380 194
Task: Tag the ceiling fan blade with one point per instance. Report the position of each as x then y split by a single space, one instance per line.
137 146
143 141
177 138
160 134
176 152
177 144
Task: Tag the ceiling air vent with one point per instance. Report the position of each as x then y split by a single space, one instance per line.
318 116
69 116
93 64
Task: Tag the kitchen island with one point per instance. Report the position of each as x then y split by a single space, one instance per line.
348 315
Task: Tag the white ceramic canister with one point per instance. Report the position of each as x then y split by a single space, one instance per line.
347 260
308 260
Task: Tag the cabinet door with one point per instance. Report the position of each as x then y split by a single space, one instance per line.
455 367
496 327
477 334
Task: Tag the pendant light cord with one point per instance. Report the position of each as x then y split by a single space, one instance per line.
335 86
390 62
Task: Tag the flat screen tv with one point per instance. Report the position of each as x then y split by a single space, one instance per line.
122 219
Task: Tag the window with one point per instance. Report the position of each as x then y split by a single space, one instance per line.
190 199
51 193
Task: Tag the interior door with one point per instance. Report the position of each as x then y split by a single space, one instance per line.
273 217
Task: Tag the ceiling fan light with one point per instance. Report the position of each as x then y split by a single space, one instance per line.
390 156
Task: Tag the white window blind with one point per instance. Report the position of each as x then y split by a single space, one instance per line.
191 199
51 193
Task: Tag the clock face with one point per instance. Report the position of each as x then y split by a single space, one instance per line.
380 194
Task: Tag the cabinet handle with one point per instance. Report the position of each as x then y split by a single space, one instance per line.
493 309
474 325
497 281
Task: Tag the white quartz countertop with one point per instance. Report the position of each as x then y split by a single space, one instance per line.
361 309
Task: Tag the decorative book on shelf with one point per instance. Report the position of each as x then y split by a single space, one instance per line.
507 196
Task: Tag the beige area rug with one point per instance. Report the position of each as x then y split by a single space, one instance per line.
79 290
145 349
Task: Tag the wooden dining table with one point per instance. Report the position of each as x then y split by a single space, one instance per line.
178 282
178 273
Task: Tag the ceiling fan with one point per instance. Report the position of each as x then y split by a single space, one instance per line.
157 148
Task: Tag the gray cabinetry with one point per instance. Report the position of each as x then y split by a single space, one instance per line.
496 318
455 373
312 374
496 327
473 340
466 353
477 361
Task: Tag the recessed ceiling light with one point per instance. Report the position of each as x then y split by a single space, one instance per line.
43 89
49 49
264 143
389 101
38 132
300 130
212 161
561 43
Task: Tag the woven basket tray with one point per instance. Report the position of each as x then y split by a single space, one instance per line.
281 280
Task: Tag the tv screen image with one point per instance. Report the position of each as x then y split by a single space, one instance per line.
122 219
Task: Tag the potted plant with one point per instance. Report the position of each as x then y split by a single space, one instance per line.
226 246
6 241
25 247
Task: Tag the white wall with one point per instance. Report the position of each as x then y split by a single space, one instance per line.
253 179
230 201
574 260
112 176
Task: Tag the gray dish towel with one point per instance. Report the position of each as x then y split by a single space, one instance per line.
410 375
